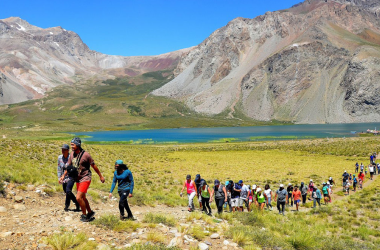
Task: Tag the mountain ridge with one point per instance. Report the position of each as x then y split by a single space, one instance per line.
271 66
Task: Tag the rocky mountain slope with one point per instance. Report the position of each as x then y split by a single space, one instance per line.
33 60
317 62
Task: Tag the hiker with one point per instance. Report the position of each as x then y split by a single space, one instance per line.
371 171
229 188
317 196
378 168
261 198
331 183
244 196
250 196
235 201
303 190
355 182
311 188
205 196
67 182
254 188
197 182
79 167
357 168
220 194
124 179
191 192
371 159
345 179
268 193
325 192
296 196
361 167
350 178
366 170
282 198
290 196
347 188
361 179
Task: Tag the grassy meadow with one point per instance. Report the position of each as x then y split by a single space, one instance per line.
159 172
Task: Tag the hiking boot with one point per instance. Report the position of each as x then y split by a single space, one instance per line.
66 209
90 215
122 217
84 218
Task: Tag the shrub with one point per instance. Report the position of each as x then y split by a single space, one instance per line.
155 237
114 223
68 240
197 232
160 218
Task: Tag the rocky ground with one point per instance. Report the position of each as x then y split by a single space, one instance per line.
27 217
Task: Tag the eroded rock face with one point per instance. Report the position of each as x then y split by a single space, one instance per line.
316 62
34 60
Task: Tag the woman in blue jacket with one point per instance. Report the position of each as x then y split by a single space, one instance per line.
124 178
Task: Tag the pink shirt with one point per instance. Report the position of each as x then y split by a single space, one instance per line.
190 187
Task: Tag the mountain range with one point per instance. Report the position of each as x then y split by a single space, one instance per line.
316 62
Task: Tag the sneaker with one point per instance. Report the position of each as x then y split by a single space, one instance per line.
130 218
122 217
77 209
90 215
84 218
66 209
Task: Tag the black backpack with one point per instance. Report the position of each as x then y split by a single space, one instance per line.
72 171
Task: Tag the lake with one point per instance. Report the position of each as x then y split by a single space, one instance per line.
230 134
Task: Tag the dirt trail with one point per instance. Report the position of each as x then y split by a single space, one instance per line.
24 225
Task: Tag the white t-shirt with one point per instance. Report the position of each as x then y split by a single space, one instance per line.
268 193
370 169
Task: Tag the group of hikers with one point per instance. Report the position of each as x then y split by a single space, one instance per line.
239 195
75 167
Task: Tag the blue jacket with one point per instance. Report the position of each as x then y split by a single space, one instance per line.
125 181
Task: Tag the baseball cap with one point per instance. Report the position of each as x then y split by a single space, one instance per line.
258 190
118 162
345 171
65 146
311 180
216 182
281 185
289 184
240 182
254 187
227 182
324 183
188 177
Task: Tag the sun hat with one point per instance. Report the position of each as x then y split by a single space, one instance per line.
311 180
65 146
289 184
254 187
258 190
77 141
281 185
118 162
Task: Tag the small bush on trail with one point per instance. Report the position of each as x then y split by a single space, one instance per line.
160 218
114 223
197 232
68 240
152 247
155 237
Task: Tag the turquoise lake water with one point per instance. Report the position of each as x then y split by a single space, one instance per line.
223 134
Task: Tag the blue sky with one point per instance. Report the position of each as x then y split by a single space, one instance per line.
139 27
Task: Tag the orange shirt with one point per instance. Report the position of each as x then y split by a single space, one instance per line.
297 195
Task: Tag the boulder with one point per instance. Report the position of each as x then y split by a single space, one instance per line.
226 242
177 241
215 236
19 207
203 246
19 199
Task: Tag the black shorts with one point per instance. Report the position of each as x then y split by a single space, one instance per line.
325 195
371 173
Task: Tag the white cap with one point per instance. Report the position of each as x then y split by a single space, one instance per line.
311 180
281 185
254 187
258 190
289 184
330 178
345 171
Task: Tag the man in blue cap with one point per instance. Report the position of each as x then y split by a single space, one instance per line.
81 161
67 182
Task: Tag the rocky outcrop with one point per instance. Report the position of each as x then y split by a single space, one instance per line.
35 60
316 62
